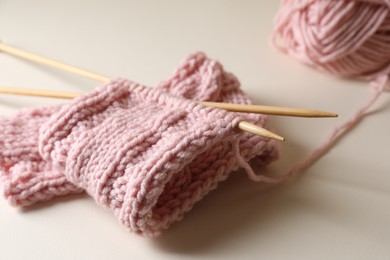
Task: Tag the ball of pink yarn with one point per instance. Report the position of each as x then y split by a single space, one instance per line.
347 38
341 37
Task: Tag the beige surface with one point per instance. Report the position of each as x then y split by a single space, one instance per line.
339 210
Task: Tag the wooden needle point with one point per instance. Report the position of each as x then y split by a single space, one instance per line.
254 129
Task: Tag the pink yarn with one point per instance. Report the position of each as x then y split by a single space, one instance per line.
340 37
147 154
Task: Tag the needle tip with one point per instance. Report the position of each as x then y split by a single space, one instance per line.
278 137
254 129
331 114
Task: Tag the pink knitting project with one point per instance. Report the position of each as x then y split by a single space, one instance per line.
147 154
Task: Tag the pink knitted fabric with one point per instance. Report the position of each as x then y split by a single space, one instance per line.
147 154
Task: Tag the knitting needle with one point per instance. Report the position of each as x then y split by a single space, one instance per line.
51 63
268 110
271 110
39 93
251 128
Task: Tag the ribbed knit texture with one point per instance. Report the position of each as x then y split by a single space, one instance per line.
147 154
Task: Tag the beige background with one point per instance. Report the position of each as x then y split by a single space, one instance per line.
340 209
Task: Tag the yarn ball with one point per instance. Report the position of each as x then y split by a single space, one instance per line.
347 38
146 154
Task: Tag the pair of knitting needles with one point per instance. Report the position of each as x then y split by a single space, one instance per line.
243 125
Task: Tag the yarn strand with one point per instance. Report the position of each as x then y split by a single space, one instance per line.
337 133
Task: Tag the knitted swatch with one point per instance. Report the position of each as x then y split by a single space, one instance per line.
147 154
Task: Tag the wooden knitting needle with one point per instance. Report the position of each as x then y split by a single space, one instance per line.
246 126
39 93
51 63
270 110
